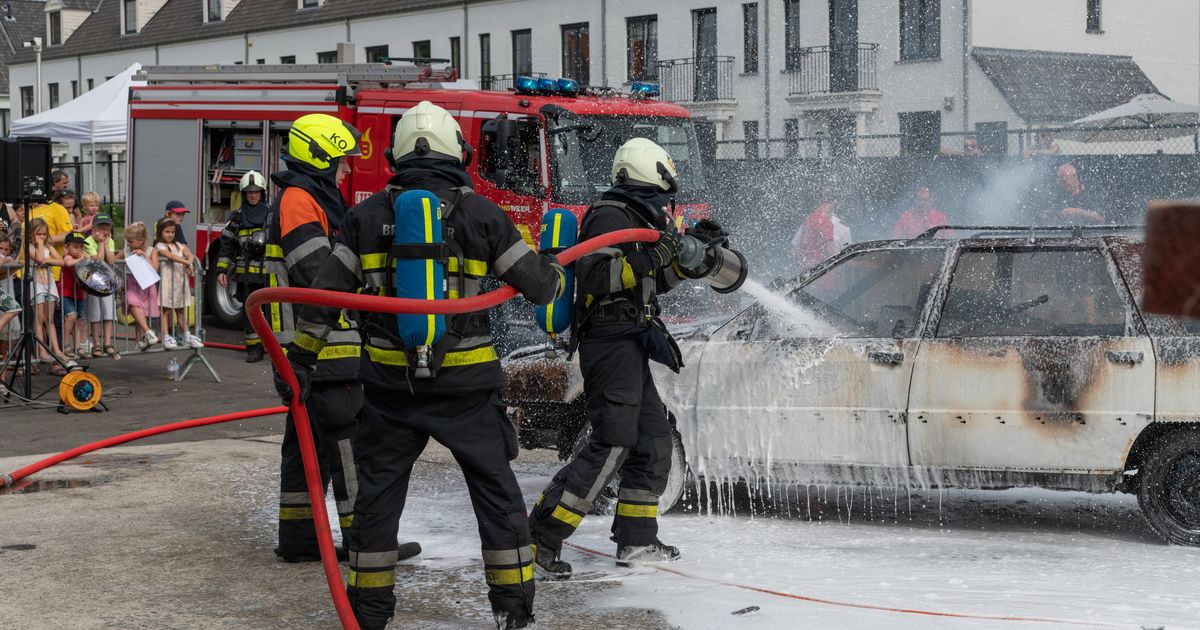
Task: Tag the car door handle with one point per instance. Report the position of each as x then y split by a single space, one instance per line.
1126 358
886 358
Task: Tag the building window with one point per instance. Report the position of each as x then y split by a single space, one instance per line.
377 54
74 89
791 137
750 37
1093 16
309 4
522 52
791 34
287 59
750 138
129 11
53 90
26 101
55 19
641 60
456 56
485 61
214 10
91 84
328 56
422 49
260 62
576 60
920 133
920 29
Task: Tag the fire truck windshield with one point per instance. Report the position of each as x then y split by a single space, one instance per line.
582 150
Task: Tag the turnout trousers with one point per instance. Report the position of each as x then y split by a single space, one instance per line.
244 289
630 435
332 408
394 429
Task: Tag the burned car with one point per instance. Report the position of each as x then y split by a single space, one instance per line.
992 359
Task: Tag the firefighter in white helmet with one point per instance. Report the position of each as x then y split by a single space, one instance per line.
242 246
617 331
456 400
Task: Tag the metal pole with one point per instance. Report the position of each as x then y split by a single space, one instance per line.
37 49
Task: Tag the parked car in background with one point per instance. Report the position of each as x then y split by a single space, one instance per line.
993 359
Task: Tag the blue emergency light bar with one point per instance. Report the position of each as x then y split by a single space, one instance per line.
644 89
547 86
525 85
568 87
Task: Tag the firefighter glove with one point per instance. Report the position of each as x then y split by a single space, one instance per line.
303 377
708 231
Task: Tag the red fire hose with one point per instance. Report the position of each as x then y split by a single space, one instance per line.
334 299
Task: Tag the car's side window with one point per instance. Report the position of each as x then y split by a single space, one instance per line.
1032 293
871 294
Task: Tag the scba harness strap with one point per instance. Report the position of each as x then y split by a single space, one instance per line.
460 326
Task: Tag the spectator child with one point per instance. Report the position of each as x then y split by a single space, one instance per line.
91 207
175 267
175 212
9 306
74 303
66 199
102 311
45 290
141 301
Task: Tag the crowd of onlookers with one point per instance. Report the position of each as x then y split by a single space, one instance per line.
72 245
823 233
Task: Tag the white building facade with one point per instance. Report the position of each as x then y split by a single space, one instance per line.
787 70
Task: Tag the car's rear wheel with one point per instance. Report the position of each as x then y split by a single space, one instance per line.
1169 492
606 501
222 301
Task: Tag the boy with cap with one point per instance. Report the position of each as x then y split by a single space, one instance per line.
175 211
74 306
102 311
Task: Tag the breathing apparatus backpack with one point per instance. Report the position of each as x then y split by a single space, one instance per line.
560 230
422 246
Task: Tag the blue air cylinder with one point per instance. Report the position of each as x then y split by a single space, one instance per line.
419 222
560 230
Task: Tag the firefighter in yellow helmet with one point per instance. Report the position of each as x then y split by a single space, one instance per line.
455 399
300 229
242 247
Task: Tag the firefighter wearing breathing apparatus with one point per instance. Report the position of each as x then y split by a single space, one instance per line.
243 244
428 235
300 229
618 332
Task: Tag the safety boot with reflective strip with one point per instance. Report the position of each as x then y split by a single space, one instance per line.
630 555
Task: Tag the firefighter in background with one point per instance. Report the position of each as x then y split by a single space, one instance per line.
303 219
618 332
458 403
243 245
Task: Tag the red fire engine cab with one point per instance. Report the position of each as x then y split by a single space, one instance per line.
542 143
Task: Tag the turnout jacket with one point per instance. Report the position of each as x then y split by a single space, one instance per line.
490 244
302 222
607 287
233 251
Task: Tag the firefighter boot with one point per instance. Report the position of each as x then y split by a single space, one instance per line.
550 564
505 621
340 551
254 353
630 555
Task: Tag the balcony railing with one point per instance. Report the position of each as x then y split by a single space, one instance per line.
832 69
696 79
504 82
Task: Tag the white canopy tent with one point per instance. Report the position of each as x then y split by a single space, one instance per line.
100 115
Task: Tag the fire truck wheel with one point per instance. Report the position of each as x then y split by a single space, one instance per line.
222 302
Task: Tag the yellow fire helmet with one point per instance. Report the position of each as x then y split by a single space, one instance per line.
642 161
319 139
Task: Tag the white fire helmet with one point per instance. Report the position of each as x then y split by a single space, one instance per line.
642 161
252 181
428 131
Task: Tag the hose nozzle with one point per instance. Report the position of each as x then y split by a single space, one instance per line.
722 268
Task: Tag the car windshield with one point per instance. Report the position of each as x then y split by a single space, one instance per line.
582 149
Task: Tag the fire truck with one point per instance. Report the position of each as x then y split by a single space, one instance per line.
542 143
